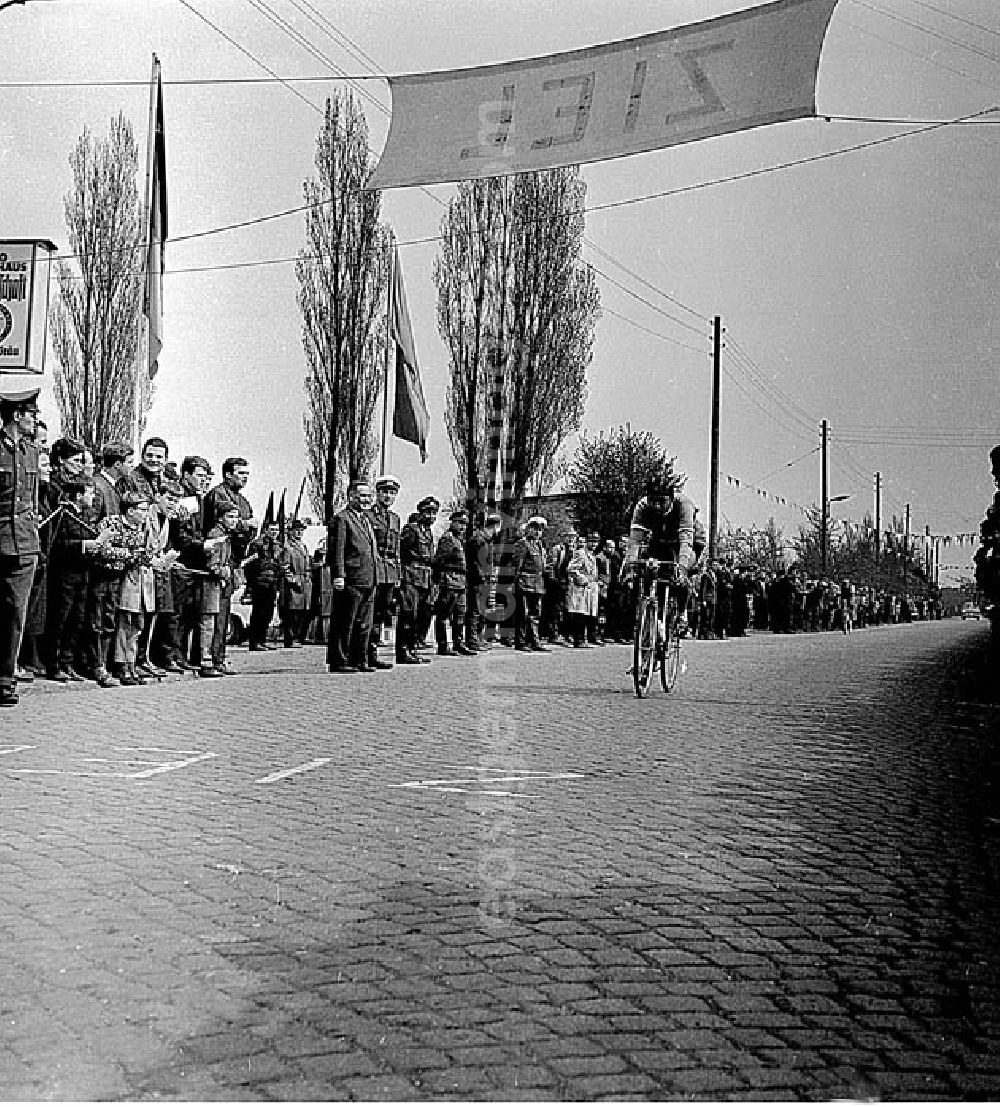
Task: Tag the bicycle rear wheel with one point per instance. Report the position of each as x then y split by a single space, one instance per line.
644 647
670 666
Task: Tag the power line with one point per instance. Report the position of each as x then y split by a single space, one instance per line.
743 359
648 330
642 280
768 411
962 45
337 35
243 50
923 57
297 37
784 165
957 18
747 485
643 300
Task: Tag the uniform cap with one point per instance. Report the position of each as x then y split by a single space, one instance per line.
538 521
493 519
19 395
386 480
296 524
428 501
461 515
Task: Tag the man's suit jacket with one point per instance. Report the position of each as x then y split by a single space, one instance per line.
351 552
107 499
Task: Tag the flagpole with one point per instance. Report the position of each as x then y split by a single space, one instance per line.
390 360
142 355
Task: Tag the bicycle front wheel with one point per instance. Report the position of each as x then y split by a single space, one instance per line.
671 664
644 647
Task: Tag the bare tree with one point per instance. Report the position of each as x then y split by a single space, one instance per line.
343 275
466 277
96 318
554 306
515 305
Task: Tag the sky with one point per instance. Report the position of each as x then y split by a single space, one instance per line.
860 289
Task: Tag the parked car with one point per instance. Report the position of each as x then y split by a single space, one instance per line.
970 610
239 618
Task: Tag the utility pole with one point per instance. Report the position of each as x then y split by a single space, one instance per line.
878 518
824 514
906 549
713 476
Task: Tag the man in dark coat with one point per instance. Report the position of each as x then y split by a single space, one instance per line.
295 597
265 569
707 596
68 568
451 579
351 553
416 557
479 577
385 525
723 600
181 630
228 494
529 585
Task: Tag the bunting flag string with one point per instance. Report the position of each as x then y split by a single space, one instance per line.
772 497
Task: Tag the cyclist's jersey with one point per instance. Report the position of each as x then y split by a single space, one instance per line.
671 532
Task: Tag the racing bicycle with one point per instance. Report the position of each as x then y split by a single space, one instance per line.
657 642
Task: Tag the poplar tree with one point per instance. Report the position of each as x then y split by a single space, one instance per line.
96 318
517 308
343 275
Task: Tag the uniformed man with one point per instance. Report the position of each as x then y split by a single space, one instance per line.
295 597
450 576
416 556
385 524
479 577
18 528
529 585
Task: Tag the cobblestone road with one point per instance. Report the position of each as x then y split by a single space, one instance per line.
507 878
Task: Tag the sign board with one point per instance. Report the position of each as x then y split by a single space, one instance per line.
739 71
24 304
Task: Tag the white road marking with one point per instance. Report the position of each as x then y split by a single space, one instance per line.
509 779
153 749
158 766
169 767
307 767
506 776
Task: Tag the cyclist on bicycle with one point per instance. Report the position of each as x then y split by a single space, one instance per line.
663 527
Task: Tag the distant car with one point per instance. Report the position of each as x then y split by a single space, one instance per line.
970 610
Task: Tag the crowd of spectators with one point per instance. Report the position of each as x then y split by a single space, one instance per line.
725 600
133 570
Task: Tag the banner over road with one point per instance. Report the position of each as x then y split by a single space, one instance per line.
739 71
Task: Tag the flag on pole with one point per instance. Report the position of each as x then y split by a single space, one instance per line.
410 419
268 514
281 517
298 500
156 201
